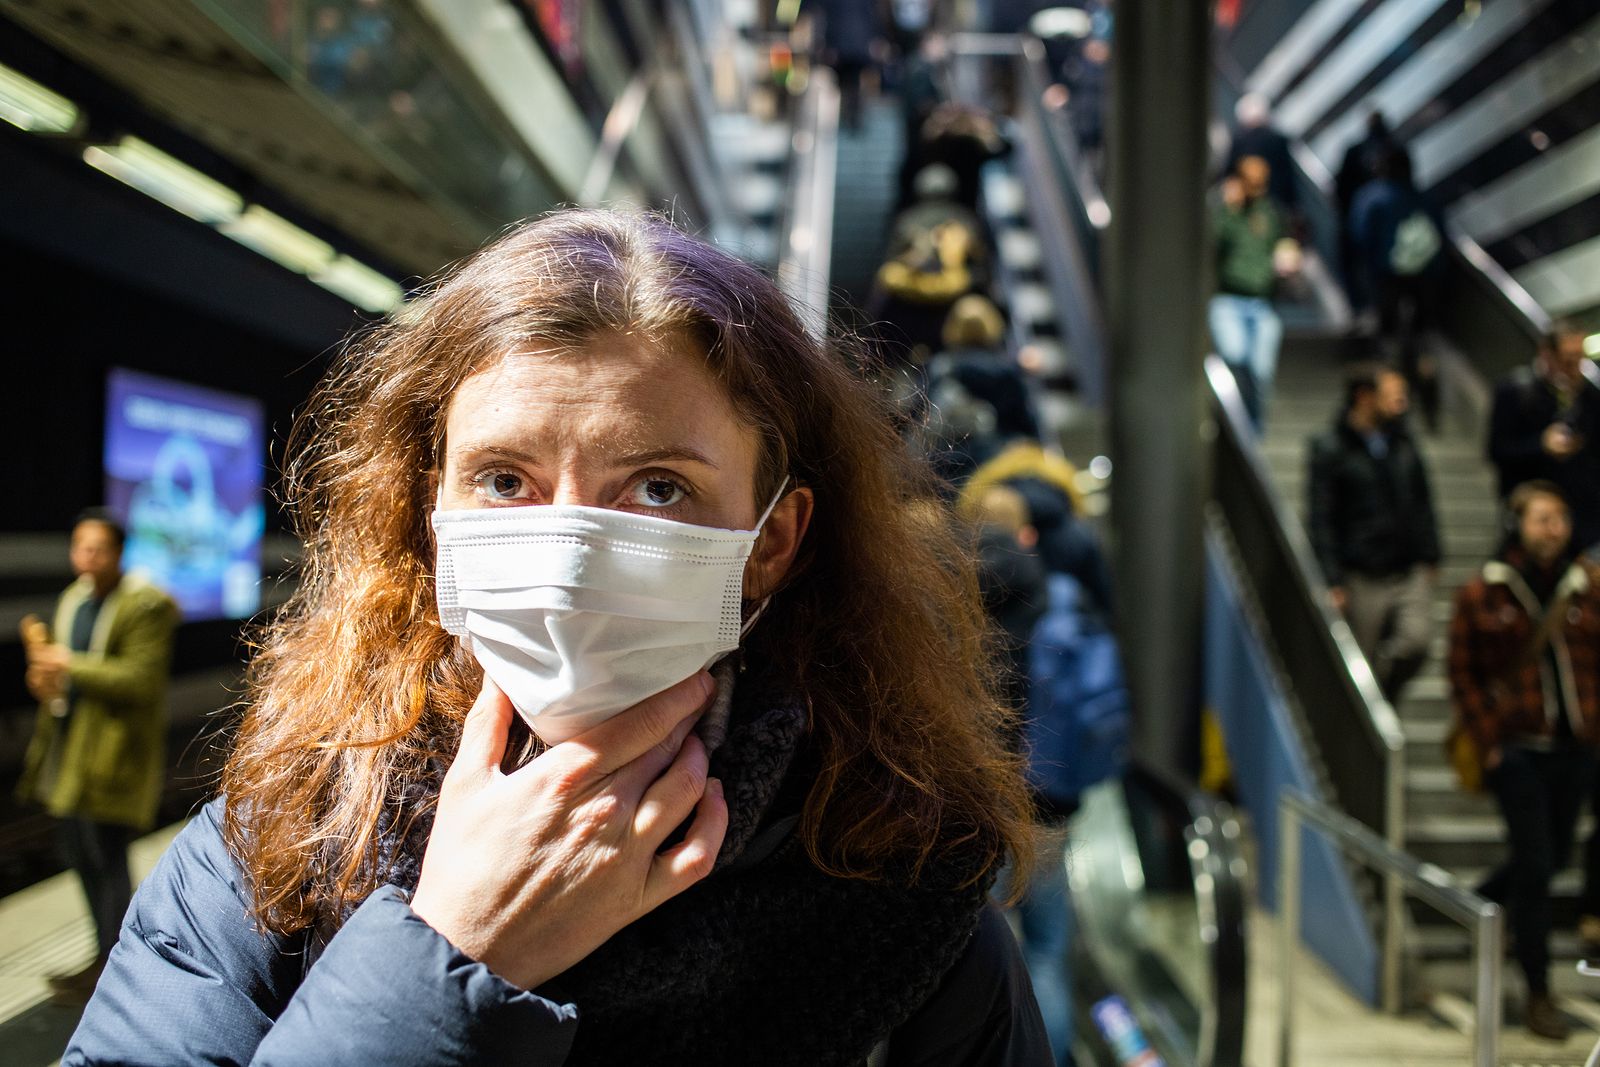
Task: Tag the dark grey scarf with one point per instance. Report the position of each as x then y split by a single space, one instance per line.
768 960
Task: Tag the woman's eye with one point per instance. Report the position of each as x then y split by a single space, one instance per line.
657 493
500 485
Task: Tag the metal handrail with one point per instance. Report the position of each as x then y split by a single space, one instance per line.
1384 813
803 266
1217 863
1381 722
1482 918
619 125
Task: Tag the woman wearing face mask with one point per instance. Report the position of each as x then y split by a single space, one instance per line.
630 709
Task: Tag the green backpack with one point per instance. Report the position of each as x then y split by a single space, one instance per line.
1416 242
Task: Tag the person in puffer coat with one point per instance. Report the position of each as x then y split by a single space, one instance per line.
630 710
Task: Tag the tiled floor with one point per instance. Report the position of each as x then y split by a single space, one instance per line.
1334 1029
45 930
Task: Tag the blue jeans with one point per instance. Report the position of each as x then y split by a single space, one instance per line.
1247 333
1048 925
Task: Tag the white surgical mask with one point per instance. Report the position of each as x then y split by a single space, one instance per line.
578 613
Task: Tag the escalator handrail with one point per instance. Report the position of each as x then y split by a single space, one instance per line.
807 240
1220 872
1381 720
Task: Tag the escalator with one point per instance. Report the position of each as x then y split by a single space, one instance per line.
1155 865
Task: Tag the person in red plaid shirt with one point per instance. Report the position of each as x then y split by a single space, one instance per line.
1525 678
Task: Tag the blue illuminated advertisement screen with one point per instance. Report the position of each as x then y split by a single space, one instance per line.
183 470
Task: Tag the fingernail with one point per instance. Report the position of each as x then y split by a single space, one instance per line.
707 683
715 784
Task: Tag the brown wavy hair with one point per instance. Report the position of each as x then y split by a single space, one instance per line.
355 692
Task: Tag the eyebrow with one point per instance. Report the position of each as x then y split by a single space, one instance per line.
656 455
620 459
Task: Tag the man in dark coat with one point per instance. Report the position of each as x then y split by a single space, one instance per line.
1546 425
1360 166
1373 527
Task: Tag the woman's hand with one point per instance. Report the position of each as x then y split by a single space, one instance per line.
531 871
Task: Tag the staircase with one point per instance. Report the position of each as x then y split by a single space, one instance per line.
1459 832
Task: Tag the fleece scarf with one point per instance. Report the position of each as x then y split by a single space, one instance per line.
768 960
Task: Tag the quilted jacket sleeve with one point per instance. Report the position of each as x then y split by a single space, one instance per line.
192 981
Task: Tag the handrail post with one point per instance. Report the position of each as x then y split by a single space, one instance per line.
1393 887
1288 925
1486 952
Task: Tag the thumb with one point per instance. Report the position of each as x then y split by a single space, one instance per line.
484 734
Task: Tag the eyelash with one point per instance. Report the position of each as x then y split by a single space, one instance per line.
478 481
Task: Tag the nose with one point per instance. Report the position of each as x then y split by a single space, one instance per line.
571 490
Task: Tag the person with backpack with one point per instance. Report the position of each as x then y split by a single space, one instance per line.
1359 166
1525 681
1076 726
1400 238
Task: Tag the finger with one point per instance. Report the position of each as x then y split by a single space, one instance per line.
484 734
688 862
623 738
673 795
642 773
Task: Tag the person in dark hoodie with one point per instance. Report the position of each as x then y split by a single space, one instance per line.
1372 525
1399 236
1360 166
1525 680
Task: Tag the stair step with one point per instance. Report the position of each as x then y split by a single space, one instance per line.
1020 249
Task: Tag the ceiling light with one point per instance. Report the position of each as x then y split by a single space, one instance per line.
167 179
1061 22
360 284
279 240
1591 345
29 106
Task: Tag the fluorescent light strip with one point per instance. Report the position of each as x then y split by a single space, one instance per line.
1508 105
1297 47
1567 281
1546 184
360 284
1421 78
1378 34
162 177
188 191
279 240
29 106
1591 346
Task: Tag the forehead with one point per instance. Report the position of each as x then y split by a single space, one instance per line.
91 531
1544 506
616 391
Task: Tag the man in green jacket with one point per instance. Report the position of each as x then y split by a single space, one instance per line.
1253 253
97 758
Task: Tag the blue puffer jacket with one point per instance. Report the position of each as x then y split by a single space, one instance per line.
193 981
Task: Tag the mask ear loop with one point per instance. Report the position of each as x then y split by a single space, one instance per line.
783 487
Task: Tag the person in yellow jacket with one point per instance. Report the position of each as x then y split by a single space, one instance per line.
97 758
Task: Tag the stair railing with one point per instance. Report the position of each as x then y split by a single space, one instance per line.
1482 918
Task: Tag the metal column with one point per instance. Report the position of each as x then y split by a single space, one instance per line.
1157 274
